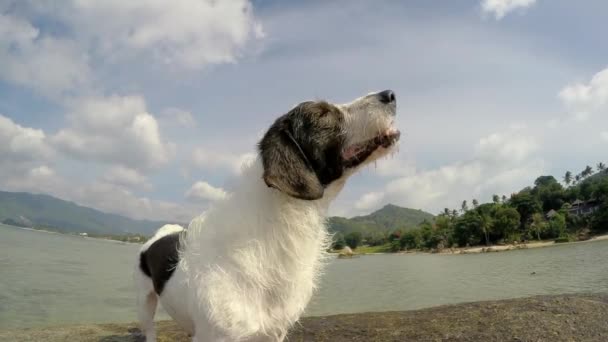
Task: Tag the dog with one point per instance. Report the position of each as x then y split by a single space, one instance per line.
246 268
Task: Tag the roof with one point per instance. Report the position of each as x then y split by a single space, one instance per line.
551 213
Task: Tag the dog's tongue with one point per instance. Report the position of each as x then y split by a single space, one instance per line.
350 152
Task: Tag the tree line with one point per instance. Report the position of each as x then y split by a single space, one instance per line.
539 212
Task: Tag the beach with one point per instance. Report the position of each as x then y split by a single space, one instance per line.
557 318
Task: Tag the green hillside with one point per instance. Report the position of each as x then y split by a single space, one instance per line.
44 211
387 219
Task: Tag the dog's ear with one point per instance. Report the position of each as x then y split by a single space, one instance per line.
286 167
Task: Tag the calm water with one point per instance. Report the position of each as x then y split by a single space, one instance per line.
48 279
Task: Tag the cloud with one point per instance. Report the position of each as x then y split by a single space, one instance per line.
500 8
18 143
501 163
124 176
583 100
115 129
369 201
52 66
206 159
181 33
203 191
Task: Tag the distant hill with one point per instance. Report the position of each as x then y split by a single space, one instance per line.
44 211
387 219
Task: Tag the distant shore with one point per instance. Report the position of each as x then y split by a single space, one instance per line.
135 239
485 249
542 318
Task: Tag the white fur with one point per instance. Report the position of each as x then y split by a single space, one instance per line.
250 264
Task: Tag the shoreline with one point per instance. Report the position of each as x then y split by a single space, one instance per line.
483 249
573 317
84 237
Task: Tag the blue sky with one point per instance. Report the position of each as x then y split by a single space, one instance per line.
148 108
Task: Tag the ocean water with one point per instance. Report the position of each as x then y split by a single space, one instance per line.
49 279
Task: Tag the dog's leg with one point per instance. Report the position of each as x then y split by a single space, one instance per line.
146 308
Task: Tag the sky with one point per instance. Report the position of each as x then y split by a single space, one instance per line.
148 108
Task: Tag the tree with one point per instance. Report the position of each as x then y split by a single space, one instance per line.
539 225
464 207
601 191
557 226
577 178
495 199
506 222
526 205
447 212
601 167
486 226
586 190
444 229
339 242
454 213
550 192
599 221
475 203
568 178
410 239
429 235
504 198
588 171
467 229
353 239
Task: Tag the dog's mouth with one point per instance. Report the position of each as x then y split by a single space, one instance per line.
356 154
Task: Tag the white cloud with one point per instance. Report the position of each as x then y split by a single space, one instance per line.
182 33
121 175
49 65
511 146
369 201
500 8
206 159
19 143
116 129
205 192
502 163
584 100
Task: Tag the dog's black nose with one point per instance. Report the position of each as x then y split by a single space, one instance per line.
387 96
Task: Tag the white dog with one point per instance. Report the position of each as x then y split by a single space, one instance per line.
246 269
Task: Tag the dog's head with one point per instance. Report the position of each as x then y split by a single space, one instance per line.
317 143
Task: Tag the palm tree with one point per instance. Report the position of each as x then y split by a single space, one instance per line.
454 213
588 171
446 212
538 224
601 167
577 178
475 203
464 207
486 226
568 178
504 198
495 199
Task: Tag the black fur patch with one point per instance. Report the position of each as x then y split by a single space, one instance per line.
301 151
160 259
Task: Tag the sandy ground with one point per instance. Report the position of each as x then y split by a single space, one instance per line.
538 244
543 318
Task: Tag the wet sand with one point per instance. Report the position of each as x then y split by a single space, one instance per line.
541 318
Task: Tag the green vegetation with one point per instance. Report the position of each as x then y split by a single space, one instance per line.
546 211
380 222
